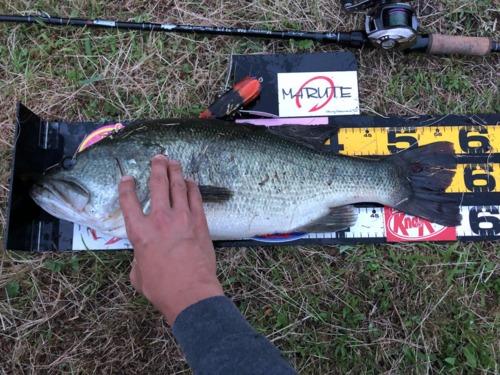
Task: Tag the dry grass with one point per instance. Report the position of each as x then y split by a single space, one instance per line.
391 309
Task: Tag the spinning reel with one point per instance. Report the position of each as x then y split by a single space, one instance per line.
391 25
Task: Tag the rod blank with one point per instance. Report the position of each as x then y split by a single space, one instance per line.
436 44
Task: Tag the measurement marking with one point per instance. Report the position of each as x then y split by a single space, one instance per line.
476 178
467 140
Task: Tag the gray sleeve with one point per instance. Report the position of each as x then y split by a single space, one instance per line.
216 339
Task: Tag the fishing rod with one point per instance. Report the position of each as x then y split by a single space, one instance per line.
392 25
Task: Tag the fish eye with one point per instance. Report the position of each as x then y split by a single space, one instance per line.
68 163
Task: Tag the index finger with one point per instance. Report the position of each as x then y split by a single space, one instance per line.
129 203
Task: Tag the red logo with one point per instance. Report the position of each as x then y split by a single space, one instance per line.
400 227
316 92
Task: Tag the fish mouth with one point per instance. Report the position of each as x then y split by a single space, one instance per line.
60 197
68 200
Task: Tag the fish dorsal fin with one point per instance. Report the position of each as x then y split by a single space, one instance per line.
215 194
311 136
336 219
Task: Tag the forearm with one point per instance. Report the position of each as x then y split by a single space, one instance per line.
216 339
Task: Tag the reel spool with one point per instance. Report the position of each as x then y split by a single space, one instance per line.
392 25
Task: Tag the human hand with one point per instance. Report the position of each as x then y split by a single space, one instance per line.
174 258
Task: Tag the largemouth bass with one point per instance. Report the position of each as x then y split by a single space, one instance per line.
254 180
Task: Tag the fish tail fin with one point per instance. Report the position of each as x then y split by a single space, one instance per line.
428 171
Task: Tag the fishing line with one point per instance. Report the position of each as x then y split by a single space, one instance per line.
397 17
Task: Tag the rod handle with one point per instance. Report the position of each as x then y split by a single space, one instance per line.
462 45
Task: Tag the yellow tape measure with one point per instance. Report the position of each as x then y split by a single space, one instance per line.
467 140
476 178
384 141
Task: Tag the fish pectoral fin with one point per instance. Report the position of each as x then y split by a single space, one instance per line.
215 194
341 217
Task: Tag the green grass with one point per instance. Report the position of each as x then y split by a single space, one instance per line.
366 309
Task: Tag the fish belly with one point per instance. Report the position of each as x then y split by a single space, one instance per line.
226 223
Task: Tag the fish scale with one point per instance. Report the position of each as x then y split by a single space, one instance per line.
278 182
311 182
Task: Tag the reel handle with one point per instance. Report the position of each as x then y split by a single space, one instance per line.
462 45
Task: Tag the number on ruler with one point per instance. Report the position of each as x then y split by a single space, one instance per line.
473 143
484 220
398 136
479 178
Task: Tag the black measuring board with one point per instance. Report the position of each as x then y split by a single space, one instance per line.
41 144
